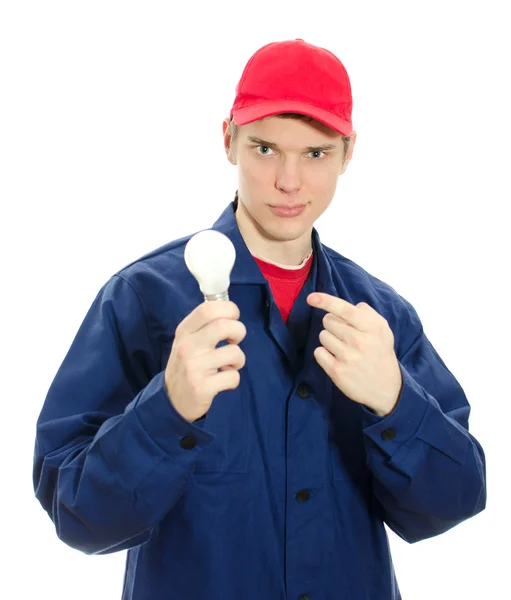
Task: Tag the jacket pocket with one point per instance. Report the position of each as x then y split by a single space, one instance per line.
227 420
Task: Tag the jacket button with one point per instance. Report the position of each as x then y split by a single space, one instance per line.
303 598
303 390
188 442
303 495
388 434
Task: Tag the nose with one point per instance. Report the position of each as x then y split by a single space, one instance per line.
289 178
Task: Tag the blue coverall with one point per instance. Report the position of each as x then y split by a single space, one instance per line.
281 491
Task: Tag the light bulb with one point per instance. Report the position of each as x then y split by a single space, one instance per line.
210 256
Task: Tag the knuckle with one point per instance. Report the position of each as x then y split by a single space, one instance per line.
238 355
243 330
224 327
229 325
231 352
358 343
243 358
235 378
182 349
234 310
348 359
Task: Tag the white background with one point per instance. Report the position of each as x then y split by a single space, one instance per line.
111 145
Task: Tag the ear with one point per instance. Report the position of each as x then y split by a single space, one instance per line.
228 146
349 152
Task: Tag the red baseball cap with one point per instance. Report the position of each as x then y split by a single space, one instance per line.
294 76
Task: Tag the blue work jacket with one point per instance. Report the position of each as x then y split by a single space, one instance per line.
282 490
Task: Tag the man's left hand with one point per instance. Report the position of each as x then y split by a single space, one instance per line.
357 353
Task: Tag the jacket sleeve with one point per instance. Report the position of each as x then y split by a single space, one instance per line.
108 463
429 472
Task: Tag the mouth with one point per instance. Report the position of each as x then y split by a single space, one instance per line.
288 211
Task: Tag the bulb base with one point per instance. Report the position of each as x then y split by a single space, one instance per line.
214 297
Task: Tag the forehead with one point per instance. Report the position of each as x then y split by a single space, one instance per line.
288 131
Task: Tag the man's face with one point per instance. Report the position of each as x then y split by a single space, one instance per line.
285 162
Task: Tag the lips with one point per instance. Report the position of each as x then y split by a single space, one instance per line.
289 206
287 210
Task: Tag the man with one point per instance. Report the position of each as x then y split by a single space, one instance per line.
264 467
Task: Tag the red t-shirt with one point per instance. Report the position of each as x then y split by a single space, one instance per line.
285 284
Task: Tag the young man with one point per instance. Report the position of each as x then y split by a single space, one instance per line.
265 467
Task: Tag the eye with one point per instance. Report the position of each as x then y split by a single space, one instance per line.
317 152
264 153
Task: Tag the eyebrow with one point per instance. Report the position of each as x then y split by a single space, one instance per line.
273 146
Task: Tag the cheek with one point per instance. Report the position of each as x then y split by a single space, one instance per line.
253 173
325 184
330 189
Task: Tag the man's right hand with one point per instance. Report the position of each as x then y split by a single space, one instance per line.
192 378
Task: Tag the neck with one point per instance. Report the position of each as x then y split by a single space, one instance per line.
284 265
281 252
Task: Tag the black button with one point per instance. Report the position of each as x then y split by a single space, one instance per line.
303 390
388 434
303 495
188 442
267 303
303 598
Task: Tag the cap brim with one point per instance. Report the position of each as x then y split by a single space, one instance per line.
249 114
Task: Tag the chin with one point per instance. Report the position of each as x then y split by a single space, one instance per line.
284 233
